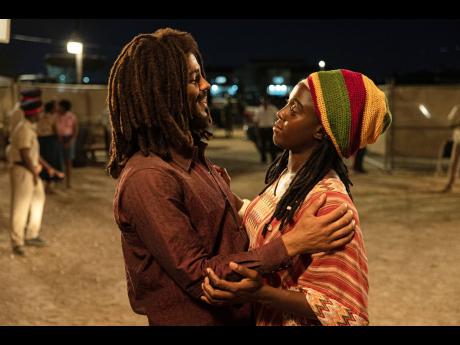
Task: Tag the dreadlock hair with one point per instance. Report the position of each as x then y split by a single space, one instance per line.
323 158
147 97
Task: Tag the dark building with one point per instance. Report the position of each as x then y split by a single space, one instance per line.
61 67
272 77
245 85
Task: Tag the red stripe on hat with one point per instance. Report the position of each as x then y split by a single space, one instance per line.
357 96
311 86
23 99
32 112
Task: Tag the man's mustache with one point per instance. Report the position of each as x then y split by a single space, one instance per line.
202 95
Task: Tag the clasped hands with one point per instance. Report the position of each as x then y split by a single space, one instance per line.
311 234
219 292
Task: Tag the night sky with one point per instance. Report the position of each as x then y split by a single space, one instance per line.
376 47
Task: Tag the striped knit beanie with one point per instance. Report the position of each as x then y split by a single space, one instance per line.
352 110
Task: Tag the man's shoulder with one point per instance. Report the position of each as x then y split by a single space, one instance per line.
23 127
141 162
151 164
23 136
142 173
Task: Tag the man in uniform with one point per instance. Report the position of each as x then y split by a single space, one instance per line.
27 191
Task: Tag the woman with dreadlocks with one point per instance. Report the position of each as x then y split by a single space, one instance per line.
328 117
176 214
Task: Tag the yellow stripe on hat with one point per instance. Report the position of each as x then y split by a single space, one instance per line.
375 109
323 112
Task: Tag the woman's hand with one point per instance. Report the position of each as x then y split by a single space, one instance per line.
217 291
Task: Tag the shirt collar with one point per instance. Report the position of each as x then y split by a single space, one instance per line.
185 160
30 125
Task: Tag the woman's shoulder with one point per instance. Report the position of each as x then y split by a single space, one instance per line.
331 184
335 190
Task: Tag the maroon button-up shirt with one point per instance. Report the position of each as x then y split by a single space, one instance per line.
176 219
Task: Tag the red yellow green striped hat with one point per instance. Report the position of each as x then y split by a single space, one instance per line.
352 110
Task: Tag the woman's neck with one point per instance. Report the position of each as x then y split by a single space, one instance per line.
298 159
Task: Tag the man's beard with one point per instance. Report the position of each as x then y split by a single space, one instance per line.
200 123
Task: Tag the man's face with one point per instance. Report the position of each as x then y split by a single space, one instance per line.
197 91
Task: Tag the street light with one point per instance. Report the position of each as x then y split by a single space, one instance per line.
76 48
321 65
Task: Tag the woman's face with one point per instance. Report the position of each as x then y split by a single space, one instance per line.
297 127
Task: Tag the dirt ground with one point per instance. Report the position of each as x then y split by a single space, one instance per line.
411 232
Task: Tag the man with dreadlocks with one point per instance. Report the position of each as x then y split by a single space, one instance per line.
175 211
329 116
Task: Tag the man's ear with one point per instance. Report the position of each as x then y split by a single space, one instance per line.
319 133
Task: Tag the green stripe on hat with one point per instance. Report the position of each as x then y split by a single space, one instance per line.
338 107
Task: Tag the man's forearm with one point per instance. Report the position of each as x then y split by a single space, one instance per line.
268 258
292 246
45 164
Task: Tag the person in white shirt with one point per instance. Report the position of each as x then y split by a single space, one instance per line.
264 119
